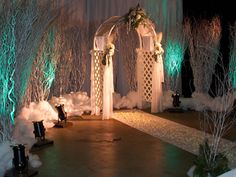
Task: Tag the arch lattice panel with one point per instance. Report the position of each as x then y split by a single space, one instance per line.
146 69
98 77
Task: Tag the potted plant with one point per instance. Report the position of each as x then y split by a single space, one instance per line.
209 164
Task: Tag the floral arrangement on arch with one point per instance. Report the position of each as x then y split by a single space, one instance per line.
158 50
109 51
135 17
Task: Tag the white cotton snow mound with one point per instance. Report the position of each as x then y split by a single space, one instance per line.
6 156
23 133
201 101
130 101
167 99
34 160
116 100
74 103
185 103
204 101
40 111
221 103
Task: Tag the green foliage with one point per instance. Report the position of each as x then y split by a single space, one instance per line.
135 16
204 164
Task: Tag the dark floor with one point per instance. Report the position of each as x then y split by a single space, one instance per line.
95 148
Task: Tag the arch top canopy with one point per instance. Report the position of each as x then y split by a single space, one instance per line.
136 19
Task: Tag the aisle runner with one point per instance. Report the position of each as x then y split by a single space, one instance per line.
171 132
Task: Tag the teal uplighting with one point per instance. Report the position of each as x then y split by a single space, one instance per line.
49 74
174 55
232 63
7 69
49 62
233 70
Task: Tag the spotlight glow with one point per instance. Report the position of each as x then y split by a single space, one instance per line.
50 64
174 54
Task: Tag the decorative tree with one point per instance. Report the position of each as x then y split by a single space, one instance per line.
44 67
203 39
211 159
71 67
22 26
39 16
7 71
174 56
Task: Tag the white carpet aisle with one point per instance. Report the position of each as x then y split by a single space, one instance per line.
171 132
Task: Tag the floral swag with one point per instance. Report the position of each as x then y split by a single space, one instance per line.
135 17
158 51
109 52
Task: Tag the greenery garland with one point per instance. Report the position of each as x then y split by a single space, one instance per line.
135 17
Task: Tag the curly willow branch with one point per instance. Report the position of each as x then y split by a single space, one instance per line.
203 40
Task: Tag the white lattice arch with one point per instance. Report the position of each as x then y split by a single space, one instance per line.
145 62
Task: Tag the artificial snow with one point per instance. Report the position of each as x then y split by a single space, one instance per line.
34 160
200 102
75 103
39 111
6 156
129 102
23 133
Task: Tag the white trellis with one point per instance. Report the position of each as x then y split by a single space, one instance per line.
150 73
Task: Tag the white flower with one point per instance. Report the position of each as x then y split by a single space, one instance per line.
158 48
110 49
138 16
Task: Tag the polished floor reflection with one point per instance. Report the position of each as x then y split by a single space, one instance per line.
95 148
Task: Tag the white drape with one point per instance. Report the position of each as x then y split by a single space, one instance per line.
108 89
157 80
